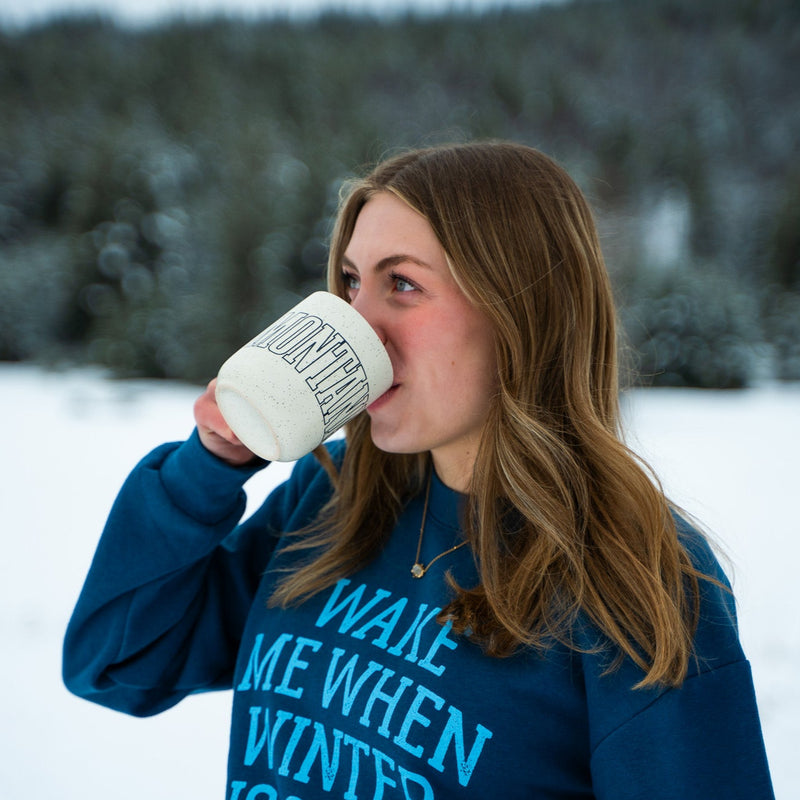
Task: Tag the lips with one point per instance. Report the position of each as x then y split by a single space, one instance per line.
383 399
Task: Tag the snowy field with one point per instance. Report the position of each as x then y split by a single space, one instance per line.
69 440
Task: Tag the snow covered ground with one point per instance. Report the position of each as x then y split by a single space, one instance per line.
70 438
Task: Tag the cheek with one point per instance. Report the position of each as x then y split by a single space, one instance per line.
469 369
478 351
456 352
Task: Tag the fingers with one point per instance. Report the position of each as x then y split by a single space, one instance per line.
215 434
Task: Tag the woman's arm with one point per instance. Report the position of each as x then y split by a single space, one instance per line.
694 743
174 576
697 741
169 586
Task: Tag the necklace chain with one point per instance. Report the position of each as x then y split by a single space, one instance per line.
419 569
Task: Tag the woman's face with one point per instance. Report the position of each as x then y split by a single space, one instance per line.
441 348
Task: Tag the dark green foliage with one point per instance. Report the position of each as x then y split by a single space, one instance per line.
692 330
165 193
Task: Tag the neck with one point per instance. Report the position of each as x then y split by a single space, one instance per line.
454 470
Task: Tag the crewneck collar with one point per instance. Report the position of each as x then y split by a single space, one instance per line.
446 504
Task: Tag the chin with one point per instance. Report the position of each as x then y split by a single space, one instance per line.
389 443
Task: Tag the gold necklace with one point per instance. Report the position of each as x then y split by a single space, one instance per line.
418 570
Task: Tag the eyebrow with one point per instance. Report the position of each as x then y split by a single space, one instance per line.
389 261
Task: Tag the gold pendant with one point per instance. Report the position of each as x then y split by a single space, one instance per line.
417 570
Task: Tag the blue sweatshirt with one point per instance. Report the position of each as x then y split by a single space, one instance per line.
359 693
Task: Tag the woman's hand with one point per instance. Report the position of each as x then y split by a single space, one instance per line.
215 433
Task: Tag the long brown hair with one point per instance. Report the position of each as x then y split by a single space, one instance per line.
564 520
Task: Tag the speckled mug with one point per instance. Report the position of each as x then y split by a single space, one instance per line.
302 378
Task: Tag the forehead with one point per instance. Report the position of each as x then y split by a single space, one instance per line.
386 223
388 232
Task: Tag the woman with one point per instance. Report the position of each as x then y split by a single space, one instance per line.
480 592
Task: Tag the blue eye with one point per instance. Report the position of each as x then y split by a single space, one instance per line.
401 284
351 282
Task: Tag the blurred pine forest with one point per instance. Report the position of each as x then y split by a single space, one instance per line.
166 192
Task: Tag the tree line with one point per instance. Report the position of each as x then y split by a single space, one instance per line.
166 192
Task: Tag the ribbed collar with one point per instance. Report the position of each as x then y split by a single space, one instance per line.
445 504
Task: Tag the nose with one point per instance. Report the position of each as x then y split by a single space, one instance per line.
369 308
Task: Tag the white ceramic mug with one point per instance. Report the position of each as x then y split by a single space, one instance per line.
302 378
